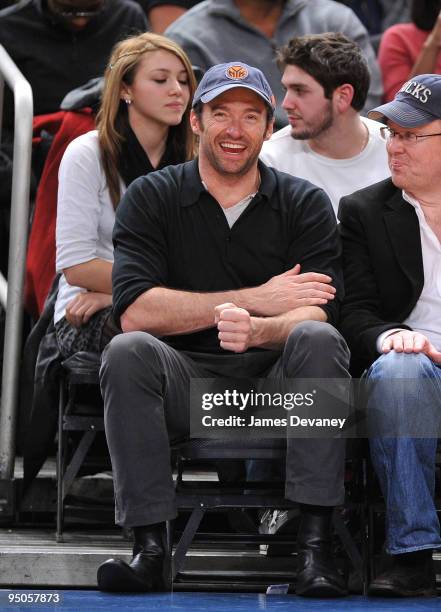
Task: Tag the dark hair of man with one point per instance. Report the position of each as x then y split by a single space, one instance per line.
424 13
332 60
197 108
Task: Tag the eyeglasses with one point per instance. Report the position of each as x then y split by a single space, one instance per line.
72 13
407 138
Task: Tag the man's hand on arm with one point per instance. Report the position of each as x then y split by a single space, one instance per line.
289 291
164 311
407 341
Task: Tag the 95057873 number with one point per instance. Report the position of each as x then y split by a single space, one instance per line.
26 598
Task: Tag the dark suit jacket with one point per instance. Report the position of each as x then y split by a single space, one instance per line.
383 266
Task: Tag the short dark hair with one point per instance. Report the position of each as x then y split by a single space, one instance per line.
424 13
332 60
197 109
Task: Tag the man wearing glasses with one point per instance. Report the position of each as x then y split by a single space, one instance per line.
391 319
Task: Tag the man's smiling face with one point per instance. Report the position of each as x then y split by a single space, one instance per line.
231 130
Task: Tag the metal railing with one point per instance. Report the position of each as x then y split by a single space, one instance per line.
23 105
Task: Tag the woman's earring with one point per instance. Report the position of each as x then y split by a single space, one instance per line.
127 101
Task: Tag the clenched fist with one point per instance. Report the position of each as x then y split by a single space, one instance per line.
234 326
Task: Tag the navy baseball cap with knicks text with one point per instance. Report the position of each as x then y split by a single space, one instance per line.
417 103
223 77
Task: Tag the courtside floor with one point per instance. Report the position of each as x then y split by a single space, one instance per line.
94 601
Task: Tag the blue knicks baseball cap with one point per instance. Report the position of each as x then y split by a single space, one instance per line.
418 102
223 77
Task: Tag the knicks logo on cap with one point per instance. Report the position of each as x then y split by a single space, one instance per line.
236 72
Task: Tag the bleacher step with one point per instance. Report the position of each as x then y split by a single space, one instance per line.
31 557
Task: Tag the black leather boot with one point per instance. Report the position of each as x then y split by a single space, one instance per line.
150 568
408 575
317 575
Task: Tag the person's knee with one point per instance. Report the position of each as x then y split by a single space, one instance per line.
126 350
314 337
315 349
400 365
396 383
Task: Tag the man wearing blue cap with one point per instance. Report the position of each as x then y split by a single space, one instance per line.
223 268
391 235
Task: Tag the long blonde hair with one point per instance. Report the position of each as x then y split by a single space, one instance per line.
112 118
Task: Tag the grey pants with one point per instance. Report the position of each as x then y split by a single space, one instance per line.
145 386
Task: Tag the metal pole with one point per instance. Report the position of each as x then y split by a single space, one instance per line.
3 292
23 104
2 95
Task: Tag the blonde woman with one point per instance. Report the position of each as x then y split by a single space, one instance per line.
142 126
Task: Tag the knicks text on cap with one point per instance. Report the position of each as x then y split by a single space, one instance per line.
417 90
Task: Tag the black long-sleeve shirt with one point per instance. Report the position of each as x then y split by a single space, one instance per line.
170 232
